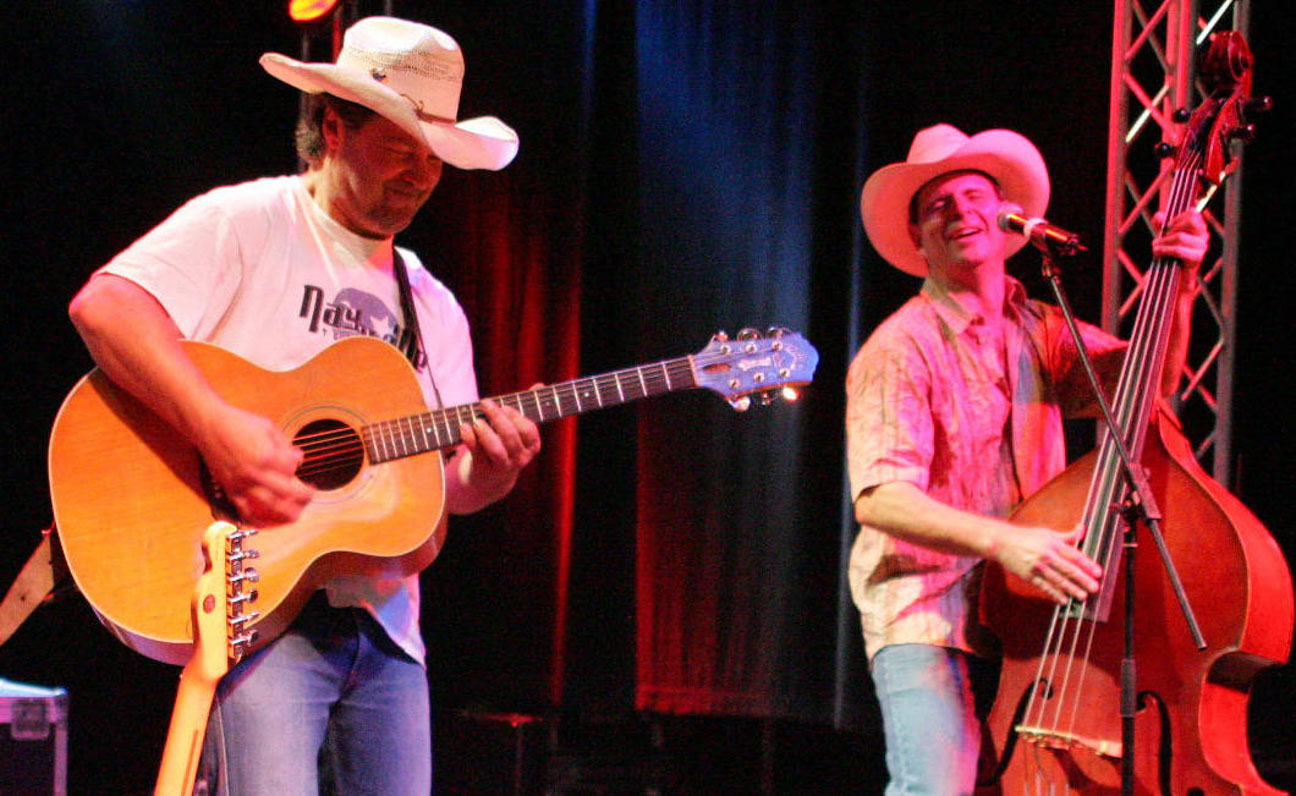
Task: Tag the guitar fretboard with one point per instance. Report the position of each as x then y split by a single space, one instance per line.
442 428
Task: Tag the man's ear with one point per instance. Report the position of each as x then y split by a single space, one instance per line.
915 236
330 128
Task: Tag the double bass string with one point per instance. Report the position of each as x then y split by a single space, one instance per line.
1067 630
1135 398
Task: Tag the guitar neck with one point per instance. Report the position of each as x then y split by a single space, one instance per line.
442 428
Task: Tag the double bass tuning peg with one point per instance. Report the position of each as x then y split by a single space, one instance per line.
1257 105
1243 132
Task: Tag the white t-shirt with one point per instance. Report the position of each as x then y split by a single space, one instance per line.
261 270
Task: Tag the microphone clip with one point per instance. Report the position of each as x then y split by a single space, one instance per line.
1052 244
1050 239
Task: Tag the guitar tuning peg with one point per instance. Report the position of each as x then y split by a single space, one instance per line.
748 333
238 645
791 395
741 404
767 397
721 336
1181 115
1164 150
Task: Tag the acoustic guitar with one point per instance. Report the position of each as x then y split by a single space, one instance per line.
131 497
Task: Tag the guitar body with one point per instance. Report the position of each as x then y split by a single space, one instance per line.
131 499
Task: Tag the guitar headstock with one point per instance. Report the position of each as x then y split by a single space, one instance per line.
223 594
770 365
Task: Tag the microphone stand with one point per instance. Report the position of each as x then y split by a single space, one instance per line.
1138 504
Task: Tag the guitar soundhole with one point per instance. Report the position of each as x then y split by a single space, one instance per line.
334 454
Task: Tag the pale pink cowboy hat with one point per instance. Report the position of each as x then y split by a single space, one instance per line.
411 74
1008 157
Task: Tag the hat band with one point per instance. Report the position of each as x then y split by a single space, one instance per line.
385 77
424 116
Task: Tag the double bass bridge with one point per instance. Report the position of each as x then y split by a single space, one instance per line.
1050 738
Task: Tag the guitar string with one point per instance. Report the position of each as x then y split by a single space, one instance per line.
339 449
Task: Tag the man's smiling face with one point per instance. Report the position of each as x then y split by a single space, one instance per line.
956 220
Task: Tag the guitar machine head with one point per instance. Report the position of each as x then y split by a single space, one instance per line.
765 366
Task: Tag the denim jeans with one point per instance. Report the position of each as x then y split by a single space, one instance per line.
331 706
932 699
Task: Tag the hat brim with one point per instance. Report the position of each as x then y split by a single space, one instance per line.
483 142
1008 157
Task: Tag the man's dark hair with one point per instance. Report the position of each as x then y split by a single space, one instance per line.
310 124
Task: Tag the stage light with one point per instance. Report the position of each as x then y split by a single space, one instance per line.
309 10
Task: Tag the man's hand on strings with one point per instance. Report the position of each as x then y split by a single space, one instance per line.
496 446
256 464
1186 239
1050 561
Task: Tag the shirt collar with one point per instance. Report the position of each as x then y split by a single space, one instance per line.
958 318
361 248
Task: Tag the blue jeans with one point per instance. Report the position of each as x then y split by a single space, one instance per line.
933 700
331 706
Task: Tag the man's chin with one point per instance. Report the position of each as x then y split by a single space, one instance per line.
391 221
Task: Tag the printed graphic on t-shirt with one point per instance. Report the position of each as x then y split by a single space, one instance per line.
353 312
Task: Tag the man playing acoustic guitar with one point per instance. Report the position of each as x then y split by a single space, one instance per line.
275 270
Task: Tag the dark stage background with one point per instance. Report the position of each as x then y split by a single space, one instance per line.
685 167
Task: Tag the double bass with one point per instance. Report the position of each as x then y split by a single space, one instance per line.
1075 711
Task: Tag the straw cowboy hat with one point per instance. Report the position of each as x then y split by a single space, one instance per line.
411 74
1008 157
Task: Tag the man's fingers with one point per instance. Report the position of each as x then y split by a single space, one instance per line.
505 435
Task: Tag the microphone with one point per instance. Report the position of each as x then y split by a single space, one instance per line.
1044 236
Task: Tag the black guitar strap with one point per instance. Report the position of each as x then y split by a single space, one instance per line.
415 336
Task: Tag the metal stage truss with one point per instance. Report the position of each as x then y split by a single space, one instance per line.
1154 48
